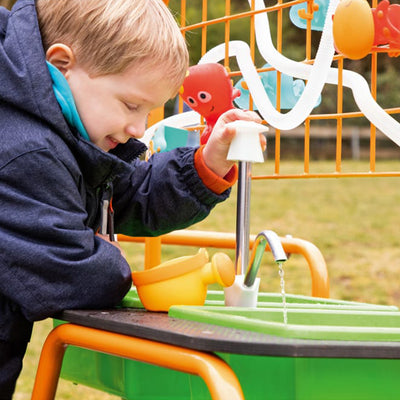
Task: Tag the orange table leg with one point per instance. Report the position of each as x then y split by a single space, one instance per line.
218 376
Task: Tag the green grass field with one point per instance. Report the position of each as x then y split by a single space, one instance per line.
353 221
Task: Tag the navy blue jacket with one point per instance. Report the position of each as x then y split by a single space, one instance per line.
51 181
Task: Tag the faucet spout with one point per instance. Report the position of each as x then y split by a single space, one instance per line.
259 246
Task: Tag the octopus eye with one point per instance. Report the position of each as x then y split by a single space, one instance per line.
204 97
191 101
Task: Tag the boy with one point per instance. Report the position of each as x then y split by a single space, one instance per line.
77 81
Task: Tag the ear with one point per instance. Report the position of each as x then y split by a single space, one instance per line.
62 57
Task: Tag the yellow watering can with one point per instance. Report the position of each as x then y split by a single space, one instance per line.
183 280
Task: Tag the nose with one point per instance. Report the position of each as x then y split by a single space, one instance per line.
136 129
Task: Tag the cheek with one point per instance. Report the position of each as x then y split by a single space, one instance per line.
99 125
92 104
97 116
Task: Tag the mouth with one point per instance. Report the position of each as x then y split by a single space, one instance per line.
112 143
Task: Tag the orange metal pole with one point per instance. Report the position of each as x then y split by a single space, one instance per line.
339 119
252 45
227 31
218 376
372 151
204 28
152 251
307 146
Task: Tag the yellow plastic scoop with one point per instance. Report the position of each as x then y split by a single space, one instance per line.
182 281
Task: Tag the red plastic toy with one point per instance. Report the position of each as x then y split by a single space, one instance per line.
208 90
387 24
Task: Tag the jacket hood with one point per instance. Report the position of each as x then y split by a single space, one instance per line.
25 82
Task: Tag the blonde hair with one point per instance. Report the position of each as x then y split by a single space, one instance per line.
107 36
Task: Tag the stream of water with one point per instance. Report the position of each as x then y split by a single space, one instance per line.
283 293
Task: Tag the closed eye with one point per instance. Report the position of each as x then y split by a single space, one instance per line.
131 106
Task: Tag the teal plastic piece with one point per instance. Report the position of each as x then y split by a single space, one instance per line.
291 90
167 138
318 20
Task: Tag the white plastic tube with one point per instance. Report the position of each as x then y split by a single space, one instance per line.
316 75
359 86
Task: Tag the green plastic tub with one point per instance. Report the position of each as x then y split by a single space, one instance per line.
301 368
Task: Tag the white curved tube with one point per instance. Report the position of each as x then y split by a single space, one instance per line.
287 121
358 85
317 75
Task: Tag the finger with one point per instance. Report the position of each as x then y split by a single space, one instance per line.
236 113
227 134
263 142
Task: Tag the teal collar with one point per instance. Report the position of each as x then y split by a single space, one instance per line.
66 101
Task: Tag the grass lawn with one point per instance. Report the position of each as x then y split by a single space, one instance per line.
353 221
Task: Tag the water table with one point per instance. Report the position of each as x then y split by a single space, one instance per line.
266 365
330 349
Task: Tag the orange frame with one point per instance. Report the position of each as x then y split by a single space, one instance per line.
314 258
218 376
276 11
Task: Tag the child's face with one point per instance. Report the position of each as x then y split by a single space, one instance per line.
114 108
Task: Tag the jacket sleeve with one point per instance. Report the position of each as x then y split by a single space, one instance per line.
49 259
163 194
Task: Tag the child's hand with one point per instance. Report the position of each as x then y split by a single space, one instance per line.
217 147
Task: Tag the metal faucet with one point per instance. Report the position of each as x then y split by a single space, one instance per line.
258 250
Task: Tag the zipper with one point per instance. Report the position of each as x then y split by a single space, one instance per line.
107 212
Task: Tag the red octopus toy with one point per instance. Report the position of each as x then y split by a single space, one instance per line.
208 90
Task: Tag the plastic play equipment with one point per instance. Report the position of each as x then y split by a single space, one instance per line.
183 280
299 14
166 138
223 355
216 373
208 90
222 240
387 24
245 148
354 36
246 144
291 90
317 75
313 321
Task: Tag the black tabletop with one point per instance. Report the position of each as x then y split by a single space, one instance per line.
212 338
